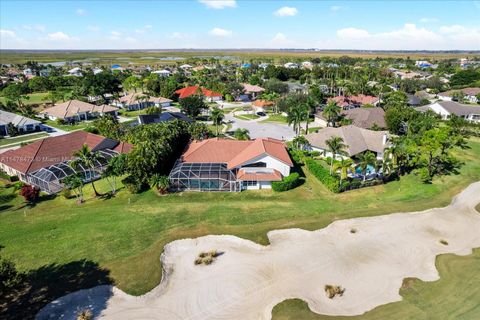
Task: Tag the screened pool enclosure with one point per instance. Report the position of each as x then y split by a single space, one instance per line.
49 179
203 177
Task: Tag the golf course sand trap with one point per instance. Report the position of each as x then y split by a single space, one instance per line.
368 257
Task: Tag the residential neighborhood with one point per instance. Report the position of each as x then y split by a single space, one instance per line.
239 160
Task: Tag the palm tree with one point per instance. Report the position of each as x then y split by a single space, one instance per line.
217 116
331 112
366 159
335 146
295 117
387 165
86 159
161 183
343 165
300 142
241 134
75 182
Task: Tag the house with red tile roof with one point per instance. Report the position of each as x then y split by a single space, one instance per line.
209 95
349 102
45 163
231 165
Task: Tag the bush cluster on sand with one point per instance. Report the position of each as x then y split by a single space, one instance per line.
206 258
333 291
444 242
85 315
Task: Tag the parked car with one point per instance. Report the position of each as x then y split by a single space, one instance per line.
261 114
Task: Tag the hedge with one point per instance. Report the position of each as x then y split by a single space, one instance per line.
289 182
322 174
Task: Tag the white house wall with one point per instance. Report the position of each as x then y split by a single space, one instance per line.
271 163
438 109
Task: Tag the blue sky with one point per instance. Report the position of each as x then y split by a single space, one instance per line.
407 25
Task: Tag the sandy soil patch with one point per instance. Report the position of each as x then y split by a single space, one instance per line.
367 257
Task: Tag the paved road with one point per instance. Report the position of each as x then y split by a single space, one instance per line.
262 129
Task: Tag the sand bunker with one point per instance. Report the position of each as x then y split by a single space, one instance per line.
248 280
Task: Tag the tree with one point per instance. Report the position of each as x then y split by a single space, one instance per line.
16 94
241 134
275 85
335 146
88 160
235 89
343 165
30 193
53 97
12 130
364 160
75 182
153 110
116 168
300 142
464 77
216 115
396 99
10 277
193 105
295 116
108 126
132 83
160 183
331 112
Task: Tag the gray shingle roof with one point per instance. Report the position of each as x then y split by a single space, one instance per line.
357 139
17 120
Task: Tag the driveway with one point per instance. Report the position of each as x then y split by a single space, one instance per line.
262 129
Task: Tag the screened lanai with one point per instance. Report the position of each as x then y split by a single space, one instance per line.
203 177
49 179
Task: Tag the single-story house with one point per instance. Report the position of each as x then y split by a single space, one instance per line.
261 105
354 101
357 140
209 95
75 110
364 118
162 117
139 101
76 72
231 165
470 94
447 108
162 73
413 101
294 87
251 91
291 65
45 163
23 124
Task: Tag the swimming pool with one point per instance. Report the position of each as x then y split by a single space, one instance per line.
370 170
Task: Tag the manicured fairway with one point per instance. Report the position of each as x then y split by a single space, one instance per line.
126 234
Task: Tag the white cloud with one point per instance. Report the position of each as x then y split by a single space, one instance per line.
37 27
93 28
352 33
130 40
143 29
280 40
115 35
452 29
58 36
179 35
336 8
286 12
81 12
428 20
409 37
219 4
219 32
7 33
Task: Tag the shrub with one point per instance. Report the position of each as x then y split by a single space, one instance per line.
85 315
333 291
132 184
66 193
289 182
323 175
30 193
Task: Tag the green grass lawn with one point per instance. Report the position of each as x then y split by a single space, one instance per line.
247 116
35 98
131 114
275 118
126 234
68 127
20 139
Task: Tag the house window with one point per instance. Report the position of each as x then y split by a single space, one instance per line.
249 184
